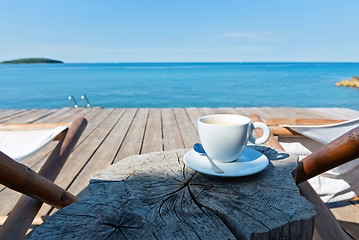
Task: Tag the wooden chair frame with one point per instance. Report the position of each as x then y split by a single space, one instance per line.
37 187
341 150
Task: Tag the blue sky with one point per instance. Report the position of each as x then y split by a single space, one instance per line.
180 31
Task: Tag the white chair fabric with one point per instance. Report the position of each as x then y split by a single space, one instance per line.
23 143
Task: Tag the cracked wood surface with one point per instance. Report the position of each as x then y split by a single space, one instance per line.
155 196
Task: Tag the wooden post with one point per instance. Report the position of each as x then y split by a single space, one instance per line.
155 196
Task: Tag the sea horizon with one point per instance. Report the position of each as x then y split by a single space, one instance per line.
190 62
144 62
179 84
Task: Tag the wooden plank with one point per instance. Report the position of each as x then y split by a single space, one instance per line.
103 156
133 141
304 113
338 113
40 114
171 134
94 119
18 115
10 112
86 149
225 110
281 112
60 115
249 111
43 115
5 112
153 134
39 158
289 112
193 114
205 111
347 214
29 117
86 146
319 114
188 132
81 155
37 220
315 114
244 111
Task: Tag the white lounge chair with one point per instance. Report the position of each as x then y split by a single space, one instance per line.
340 183
337 152
16 143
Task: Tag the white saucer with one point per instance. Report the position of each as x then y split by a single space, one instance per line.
250 162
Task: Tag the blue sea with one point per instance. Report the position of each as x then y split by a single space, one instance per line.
117 85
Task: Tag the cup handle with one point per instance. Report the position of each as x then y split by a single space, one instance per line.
266 133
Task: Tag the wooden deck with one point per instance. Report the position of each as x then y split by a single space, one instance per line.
113 134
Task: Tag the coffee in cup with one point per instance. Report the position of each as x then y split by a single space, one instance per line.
224 136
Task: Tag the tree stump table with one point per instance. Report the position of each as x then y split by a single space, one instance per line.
155 196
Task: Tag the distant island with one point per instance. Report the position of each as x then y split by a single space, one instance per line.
31 60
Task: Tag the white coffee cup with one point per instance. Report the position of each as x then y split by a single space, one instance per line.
224 136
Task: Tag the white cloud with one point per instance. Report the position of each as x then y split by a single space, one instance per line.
255 36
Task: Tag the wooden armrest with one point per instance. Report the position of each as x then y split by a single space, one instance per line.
341 150
22 179
294 121
284 131
31 126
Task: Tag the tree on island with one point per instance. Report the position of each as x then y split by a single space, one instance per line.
32 60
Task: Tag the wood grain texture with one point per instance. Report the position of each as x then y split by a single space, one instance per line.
171 134
189 133
155 196
4 113
134 138
21 115
347 214
88 144
153 135
100 131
